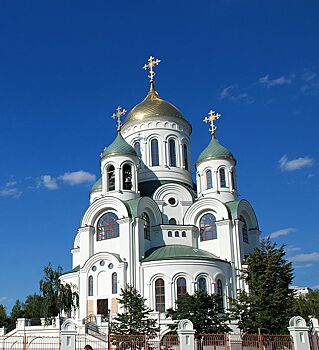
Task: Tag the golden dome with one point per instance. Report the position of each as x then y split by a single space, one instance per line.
153 106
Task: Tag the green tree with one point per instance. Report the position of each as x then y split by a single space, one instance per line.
57 297
3 316
307 305
16 312
204 312
267 306
33 306
135 318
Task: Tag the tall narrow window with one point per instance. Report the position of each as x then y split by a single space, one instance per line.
111 178
233 183
160 295
207 227
220 294
172 221
114 283
127 177
107 227
154 152
202 285
172 152
209 179
185 156
137 148
244 230
90 286
181 286
222 177
147 226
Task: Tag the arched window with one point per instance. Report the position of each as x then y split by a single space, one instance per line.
137 148
154 152
172 152
220 294
111 178
172 221
176 233
222 177
209 179
185 156
170 234
244 230
233 182
147 226
207 227
114 283
127 177
160 295
107 227
202 285
90 286
183 233
181 286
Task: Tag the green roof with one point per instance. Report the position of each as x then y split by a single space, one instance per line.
75 269
119 147
214 150
97 186
232 208
177 252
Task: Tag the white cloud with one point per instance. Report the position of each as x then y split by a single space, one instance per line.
282 232
305 266
5 299
10 190
77 177
291 248
295 164
308 75
305 257
48 182
228 92
283 80
315 287
310 89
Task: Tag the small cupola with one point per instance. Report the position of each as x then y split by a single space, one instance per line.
215 168
119 167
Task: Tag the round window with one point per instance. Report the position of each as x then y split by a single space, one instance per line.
111 266
102 262
94 268
172 201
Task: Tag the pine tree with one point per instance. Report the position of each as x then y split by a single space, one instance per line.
267 306
135 319
204 312
16 312
3 316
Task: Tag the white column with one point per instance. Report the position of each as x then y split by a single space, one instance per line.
186 334
299 332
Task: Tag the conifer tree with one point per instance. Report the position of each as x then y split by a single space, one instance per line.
135 318
267 305
204 312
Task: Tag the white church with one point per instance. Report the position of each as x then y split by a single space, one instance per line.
149 225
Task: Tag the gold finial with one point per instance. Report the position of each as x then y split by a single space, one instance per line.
119 112
152 62
212 116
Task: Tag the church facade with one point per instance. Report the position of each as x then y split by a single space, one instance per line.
149 225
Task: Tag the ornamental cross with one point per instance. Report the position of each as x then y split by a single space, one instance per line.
212 116
152 62
119 112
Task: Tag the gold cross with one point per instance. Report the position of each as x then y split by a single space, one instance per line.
152 62
212 116
119 112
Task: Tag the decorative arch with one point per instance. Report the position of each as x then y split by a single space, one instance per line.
211 205
101 205
169 190
94 260
245 210
149 206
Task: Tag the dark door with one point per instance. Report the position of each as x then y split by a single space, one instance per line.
102 307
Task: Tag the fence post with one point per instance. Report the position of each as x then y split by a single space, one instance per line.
186 334
68 335
299 332
235 342
2 331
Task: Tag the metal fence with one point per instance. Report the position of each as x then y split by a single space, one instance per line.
212 342
30 343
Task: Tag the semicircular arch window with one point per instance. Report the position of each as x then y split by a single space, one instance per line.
107 227
207 226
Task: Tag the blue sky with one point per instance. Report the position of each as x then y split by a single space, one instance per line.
66 65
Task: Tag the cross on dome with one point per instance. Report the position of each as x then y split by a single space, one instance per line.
119 112
212 116
152 62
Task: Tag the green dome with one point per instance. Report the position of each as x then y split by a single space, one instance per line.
214 150
177 252
97 186
119 147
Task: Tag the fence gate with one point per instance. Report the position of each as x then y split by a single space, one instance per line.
30 343
212 342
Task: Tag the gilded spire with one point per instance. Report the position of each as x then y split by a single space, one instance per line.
212 116
119 112
152 62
